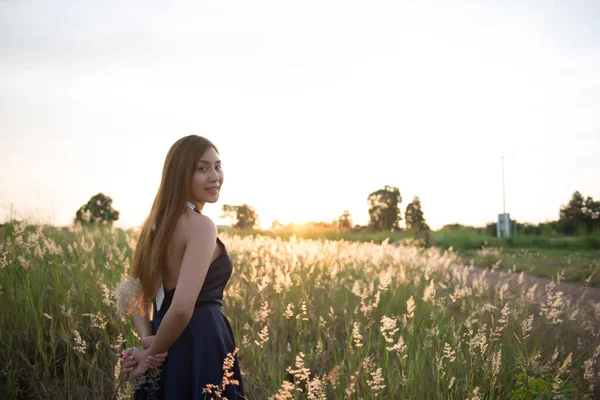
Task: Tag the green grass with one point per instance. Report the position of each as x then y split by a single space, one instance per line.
472 240
55 289
51 280
465 239
577 258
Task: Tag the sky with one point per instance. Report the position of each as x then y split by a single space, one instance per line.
313 105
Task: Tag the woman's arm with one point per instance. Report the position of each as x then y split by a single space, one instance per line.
201 239
142 324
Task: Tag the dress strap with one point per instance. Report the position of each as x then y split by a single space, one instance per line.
193 207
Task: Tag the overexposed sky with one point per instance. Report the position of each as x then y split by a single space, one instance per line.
312 104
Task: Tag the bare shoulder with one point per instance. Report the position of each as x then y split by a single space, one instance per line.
198 225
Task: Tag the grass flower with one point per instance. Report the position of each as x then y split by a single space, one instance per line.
127 295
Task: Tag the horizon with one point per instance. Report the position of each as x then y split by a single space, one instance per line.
221 222
312 106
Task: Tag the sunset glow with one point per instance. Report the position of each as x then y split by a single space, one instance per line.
312 106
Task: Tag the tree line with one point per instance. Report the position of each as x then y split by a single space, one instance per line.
384 215
580 215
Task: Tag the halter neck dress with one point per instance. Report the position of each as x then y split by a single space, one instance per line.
196 358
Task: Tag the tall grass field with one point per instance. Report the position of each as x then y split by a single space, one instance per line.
313 319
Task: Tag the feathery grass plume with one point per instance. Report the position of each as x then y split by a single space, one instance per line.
429 292
561 371
351 389
286 391
117 371
228 364
449 353
25 263
127 295
245 340
315 389
332 314
289 311
67 312
263 313
478 341
96 320
502 322
356 335
531 293
410 311
80 344
451 383
3 259
589 279
526 326
300 371
263 336
496 363
385 278
410 307
376 383
551 307
333 376
264 282
388 328
591 366
303 313
476 394
521 278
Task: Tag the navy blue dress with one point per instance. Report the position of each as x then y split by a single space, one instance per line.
196 358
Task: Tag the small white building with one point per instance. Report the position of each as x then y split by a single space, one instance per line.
503 225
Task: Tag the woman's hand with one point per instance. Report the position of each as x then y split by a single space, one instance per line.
130 362
156 360
139 361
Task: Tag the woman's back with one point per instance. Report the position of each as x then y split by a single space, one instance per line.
176 250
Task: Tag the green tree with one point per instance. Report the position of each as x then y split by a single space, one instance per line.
344 221
276 225
229 213
592 213
415 220
579 214
384 209
98 210
246 217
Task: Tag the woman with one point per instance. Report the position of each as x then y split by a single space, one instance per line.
183 268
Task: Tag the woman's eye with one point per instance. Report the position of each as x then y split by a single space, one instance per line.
218 167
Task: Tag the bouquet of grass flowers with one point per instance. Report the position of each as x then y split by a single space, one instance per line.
127 296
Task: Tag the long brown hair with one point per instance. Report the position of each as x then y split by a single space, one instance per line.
150 255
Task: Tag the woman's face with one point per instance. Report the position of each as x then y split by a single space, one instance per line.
207 178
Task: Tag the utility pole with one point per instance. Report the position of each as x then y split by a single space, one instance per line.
503 187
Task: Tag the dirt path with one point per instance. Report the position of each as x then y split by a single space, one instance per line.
571 290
